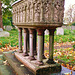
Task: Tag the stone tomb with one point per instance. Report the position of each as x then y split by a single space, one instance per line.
1 29
60 31
35 16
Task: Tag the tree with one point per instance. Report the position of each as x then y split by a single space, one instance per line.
1 24
7 11
70 14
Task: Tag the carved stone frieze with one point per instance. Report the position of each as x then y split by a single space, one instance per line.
38 11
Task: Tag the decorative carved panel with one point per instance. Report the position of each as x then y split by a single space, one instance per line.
38 11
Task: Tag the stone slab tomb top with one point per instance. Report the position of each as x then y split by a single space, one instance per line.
36 13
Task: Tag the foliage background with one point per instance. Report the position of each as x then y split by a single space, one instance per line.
7 11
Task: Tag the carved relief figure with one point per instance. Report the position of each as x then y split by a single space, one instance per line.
27 12
31 12
56 11
13 15
18 14
47 11
61 11
37 12
23 14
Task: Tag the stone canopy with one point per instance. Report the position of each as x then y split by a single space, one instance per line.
34 17
38 13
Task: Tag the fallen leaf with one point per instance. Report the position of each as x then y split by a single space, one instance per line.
73 68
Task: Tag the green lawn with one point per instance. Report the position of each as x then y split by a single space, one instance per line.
13 39
68 36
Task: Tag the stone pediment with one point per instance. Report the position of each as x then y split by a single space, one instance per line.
34 12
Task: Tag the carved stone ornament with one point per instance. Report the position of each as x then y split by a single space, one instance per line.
37 11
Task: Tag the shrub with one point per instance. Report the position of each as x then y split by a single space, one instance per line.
74 46
73 23
67 32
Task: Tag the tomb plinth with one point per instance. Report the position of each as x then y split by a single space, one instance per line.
35 16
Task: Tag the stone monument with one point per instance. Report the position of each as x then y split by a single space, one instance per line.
36 16
60 31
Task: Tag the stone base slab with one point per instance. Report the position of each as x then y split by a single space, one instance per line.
45 69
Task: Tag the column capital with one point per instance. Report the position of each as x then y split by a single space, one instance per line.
31 31
25 30
40 31
51 31
20 30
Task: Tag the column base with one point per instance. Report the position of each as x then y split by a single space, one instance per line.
25 54
20 51
50 61
45 69
35 52
40 63
44 57
32 58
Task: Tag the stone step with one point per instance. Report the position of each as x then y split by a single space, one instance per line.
5 69
45 69
18 67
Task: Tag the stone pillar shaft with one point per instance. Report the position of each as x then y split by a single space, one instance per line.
40 47
35 39
25 53
31 39
31 45
20 40
43 46
51 46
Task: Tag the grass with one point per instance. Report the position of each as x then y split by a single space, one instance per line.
68 36
67 55
13 38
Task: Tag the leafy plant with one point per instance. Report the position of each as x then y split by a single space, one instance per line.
74 46
73 23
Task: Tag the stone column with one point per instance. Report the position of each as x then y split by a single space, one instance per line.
20 40
25 52
28 40
35 39
40 47
51 47
43 46
31 39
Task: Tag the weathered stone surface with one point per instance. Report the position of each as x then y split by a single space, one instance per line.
37 12
16 65
45 69
60 31
8 28
1 29
4 34
5 69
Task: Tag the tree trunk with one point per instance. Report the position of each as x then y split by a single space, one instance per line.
1 24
